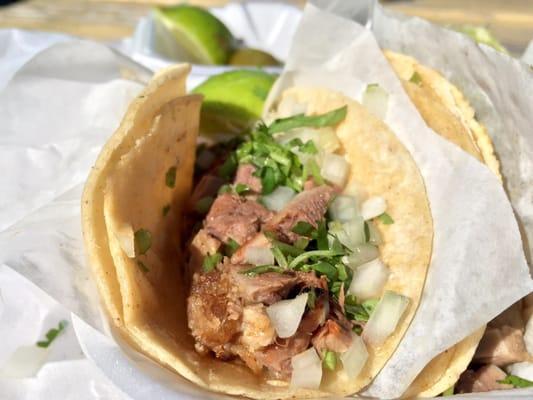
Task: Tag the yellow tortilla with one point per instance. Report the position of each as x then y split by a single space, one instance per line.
145 294
445 110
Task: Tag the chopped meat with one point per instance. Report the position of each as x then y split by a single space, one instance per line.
245 175
309 184
259 240
308 206
207 187
511 317
315 317
270 287
484 379
257 330
202 245
336 334
332 336
277 357
501 346
234 217
214 311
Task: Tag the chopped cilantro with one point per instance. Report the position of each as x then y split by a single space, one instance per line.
386 219
341 271
228 168
325 268
516 381
301 243
262 269
52 334
225 189
315 172
448 392
279 256
315 121
309 147
359 312
170 177
241 188
142 266
142 240
210 262
231 247
312 254
322 236
166 209
303 228
416 78
203 205
330 360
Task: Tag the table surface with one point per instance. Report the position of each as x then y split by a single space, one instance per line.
510 20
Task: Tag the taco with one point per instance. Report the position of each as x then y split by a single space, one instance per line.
444 108
286 263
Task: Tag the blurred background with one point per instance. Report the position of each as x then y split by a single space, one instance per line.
510 21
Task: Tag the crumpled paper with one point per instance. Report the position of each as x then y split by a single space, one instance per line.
477 245
56 113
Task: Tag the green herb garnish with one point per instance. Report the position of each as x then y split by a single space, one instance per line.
241 188
142 266
228 168
225 189
359 312
142 241
52 334
330 360
303 228
309 147
262 269
170 177
315 121
210 262
386 219
416 78
231 247
325 268
279 256
310 254
516 381
448 392
165 210
315 172
203 205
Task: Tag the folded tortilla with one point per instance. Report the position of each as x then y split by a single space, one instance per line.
444 108
132 210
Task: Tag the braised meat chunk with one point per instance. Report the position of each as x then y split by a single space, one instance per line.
234 217
308 206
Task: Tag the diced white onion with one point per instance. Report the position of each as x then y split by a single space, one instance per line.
354 359
373 207
376 99
385 318
286 315
25 362
125 237
276 200
523 369
369 280
306 370
258 255
304 134
361 254
355 232
335 169
344 208
374 237
328 140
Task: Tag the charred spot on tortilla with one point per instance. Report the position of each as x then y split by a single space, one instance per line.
170 177
143 241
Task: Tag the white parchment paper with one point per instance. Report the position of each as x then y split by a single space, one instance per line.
63 104
477 246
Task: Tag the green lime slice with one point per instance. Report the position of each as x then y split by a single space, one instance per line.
252 57
204 37
233 101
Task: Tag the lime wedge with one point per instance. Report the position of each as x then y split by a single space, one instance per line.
233 101
252 57
204 38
